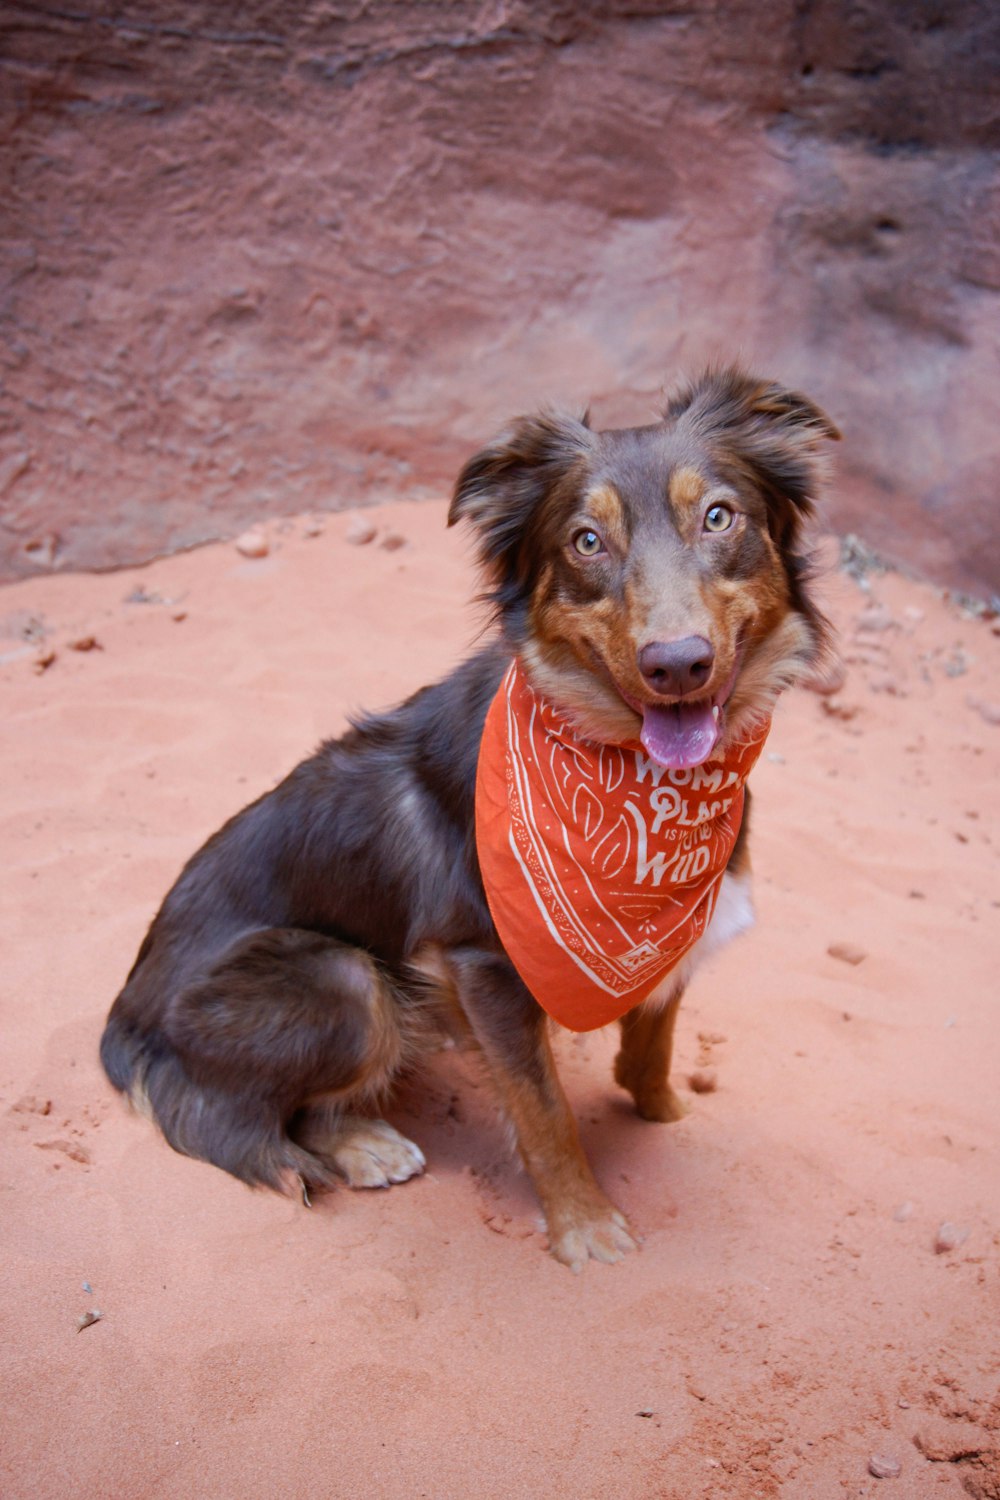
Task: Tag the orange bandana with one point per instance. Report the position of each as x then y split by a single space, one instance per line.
601 867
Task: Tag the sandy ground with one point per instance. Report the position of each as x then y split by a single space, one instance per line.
788 1317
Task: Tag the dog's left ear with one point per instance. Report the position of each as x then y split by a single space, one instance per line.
501 489
776 433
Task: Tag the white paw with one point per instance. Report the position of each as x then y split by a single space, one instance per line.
606 1237
371 1154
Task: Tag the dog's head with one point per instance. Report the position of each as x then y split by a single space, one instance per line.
651 579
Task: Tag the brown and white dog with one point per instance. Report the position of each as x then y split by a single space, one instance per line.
651 586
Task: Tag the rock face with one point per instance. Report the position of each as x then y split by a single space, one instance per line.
262 258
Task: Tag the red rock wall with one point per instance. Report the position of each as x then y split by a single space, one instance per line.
261 257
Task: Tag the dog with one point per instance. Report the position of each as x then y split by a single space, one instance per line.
652 599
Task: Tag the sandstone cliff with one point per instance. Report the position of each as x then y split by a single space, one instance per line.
261 257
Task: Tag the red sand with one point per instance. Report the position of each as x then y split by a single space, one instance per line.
787 1316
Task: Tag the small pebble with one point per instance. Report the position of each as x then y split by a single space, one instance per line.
848 953
392 541
360 532
835 709
253 544
903 1212
86 643
179 616
88 1288
949 1237
42 550
43 661
704 1080
988 711
646 1411
876 617
881 1466
85 1320
886 683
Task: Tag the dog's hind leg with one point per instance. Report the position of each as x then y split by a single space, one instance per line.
366 1153
643 1063
286 1031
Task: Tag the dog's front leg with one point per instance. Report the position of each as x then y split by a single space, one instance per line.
511 1030
643 1064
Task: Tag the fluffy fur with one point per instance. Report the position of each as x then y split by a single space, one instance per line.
319 941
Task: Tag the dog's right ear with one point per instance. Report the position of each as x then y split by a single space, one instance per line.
501 489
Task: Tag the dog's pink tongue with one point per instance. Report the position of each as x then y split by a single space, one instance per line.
679 734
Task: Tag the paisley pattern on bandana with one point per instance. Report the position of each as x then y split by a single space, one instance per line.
601 867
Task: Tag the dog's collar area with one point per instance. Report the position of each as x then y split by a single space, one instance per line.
601 866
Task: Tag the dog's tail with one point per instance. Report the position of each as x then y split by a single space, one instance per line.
286 1018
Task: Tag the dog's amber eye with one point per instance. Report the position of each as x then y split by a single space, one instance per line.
588 543
719 518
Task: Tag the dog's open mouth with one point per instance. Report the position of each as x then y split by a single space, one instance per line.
684 733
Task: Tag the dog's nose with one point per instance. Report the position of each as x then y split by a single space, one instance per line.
676 668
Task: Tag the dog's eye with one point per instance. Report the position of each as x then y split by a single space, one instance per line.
719 518
588 543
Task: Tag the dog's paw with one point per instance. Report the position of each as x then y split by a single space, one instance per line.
371 1154
661 1103
654 1098
603 1236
